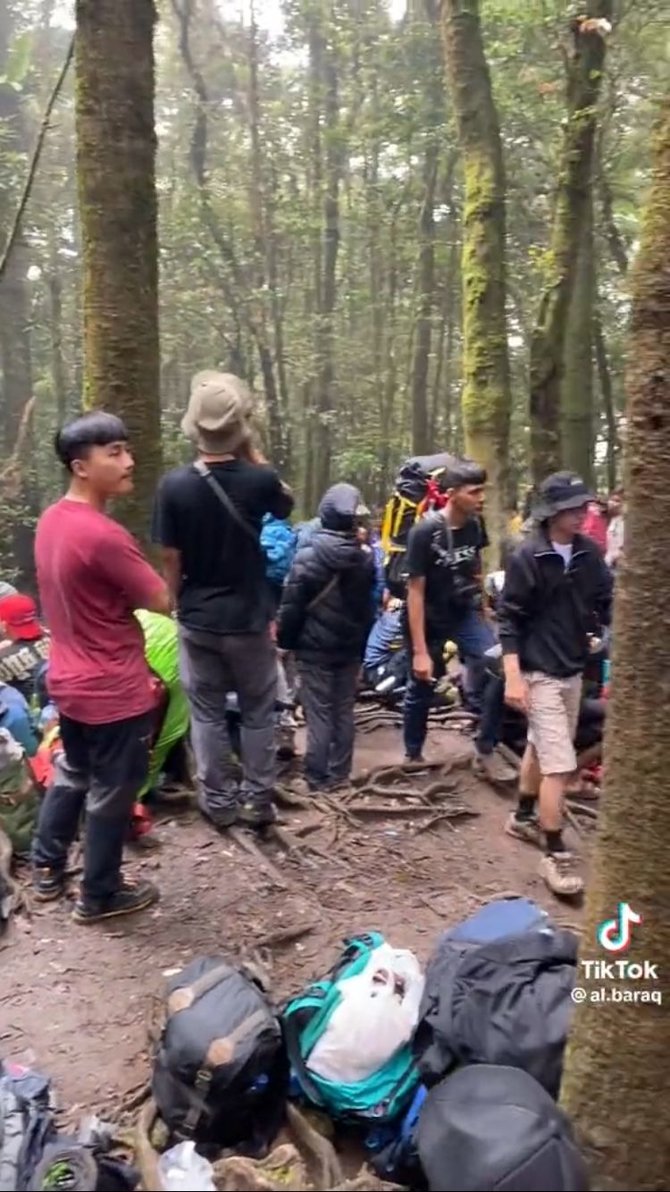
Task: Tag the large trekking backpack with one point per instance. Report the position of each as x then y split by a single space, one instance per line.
381 1095
419 488
220 1070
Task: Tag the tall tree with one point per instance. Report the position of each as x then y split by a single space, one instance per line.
486 377
116 147
577 409
426 270
585 60
617 1059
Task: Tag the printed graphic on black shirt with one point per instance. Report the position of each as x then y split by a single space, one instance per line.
20 661
450 564
223 586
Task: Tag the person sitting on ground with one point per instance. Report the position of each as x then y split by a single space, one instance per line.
207 519
92 576
556 585
16 718
325 616
445 600
24 645
385 664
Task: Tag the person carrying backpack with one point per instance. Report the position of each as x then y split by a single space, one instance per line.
445 601
325 617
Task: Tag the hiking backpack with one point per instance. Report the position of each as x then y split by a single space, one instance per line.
220 1072
278 543
19 796
419 488
380 1097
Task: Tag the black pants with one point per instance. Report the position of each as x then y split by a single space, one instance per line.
102 766
328 695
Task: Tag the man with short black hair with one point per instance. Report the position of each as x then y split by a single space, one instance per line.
207 519
92 576
444 596
557 589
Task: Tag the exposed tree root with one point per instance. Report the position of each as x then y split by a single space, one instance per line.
245 841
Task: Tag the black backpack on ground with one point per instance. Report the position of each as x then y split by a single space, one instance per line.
496 998
220 1069
495 1129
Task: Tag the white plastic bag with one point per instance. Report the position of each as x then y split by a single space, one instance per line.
377 1015
183 1168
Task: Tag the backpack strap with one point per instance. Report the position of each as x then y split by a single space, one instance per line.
222 496
325 591
292 1041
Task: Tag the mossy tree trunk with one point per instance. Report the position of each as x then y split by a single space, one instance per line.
423 331
615 1084
577 412
486 377
116 149
585 60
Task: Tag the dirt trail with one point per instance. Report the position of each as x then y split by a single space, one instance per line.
76 1001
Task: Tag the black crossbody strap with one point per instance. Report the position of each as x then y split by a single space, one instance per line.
222 496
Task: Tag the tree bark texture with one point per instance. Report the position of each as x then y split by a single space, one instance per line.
116 148
615 1083
607 400
426 266
333 163
577 412
586 57
486 399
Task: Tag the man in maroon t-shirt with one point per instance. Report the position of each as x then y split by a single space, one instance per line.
92 576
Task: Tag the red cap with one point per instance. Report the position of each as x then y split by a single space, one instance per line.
19 615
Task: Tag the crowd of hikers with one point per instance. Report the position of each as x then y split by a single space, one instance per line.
250 616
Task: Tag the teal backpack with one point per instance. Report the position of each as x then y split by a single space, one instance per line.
381 1097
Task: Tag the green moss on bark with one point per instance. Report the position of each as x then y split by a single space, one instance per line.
486 400
116 149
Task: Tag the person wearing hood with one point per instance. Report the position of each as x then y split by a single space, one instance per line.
325 616
557 589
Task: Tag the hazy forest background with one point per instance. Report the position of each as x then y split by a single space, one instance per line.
407 225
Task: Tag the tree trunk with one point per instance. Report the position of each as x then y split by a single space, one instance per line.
325 329
617 1061
116 148
486 393
426 272
58 372
573 197
607 399
577 413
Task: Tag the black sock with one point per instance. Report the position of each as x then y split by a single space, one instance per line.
526 807
554 842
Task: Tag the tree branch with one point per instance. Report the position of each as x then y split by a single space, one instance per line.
35 160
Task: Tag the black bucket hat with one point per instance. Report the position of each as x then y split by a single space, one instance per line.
558 493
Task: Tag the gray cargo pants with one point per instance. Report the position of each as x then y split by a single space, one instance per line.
327 695
212 665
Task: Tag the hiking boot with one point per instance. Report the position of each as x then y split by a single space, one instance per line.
415 759
256 815
559 871
220 817
493 768
527 829
130 897
48 884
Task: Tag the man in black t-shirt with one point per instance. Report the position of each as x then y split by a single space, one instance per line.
207 519
444 596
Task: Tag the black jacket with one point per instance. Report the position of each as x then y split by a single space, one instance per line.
335 629
546 612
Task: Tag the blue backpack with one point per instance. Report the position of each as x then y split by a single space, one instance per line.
381 1097
278 543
